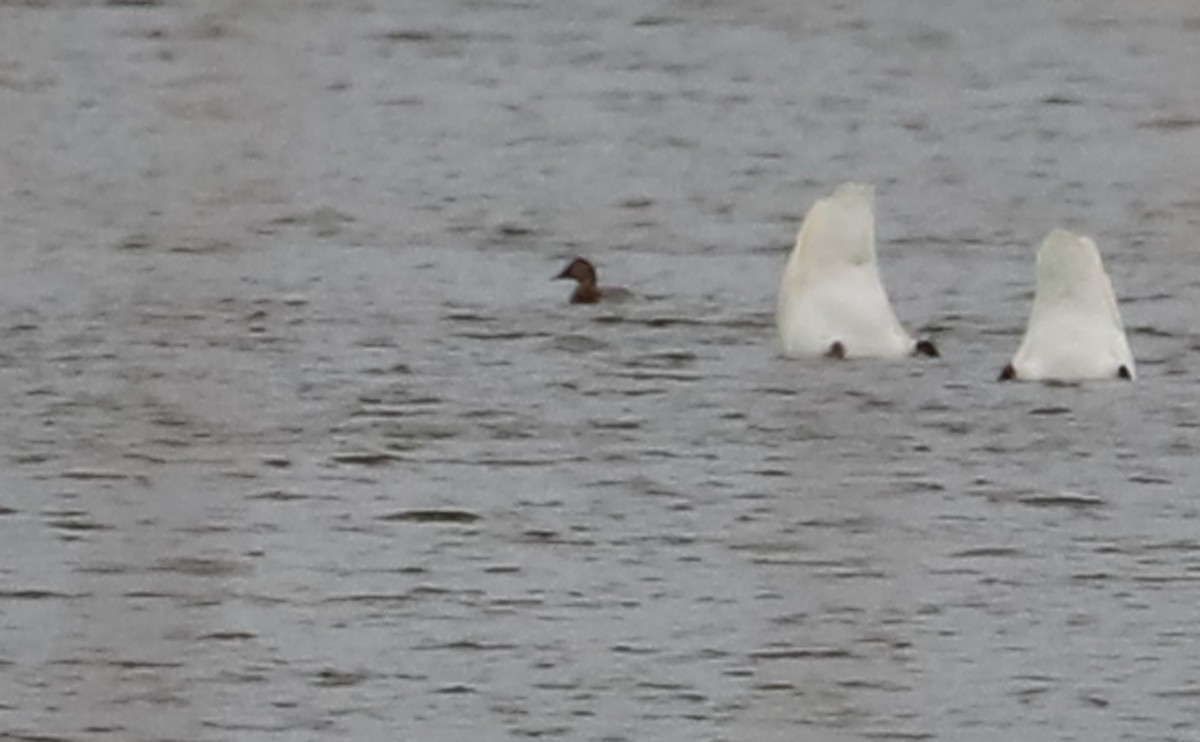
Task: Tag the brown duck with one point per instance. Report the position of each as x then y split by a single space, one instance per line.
588 292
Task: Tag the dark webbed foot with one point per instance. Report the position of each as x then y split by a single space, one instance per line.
837 350
1123 373
1008 374
926 348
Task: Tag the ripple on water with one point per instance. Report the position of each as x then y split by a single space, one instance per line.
576 343
201 566
431 515
1063 499
284 495
37 594
329 677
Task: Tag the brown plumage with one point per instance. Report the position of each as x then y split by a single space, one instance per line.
588 292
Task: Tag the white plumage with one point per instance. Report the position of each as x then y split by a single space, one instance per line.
1075 331
831 293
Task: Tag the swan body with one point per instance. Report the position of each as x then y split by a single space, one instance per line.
831 299
1075 331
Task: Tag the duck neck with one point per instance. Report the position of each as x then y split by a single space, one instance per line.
586 293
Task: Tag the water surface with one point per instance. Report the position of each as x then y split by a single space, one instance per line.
301 441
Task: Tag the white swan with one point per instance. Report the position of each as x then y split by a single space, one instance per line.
1075 331
831 300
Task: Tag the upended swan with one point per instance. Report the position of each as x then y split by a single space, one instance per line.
1075 331
831 299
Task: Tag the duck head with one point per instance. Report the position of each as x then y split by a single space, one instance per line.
580 270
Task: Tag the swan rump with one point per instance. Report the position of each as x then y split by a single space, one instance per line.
1075 331
831 299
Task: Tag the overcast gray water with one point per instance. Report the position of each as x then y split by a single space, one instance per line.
301 442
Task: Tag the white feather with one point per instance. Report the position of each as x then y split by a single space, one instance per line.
831 290
1075 331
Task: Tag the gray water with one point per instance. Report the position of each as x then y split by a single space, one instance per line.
301 442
